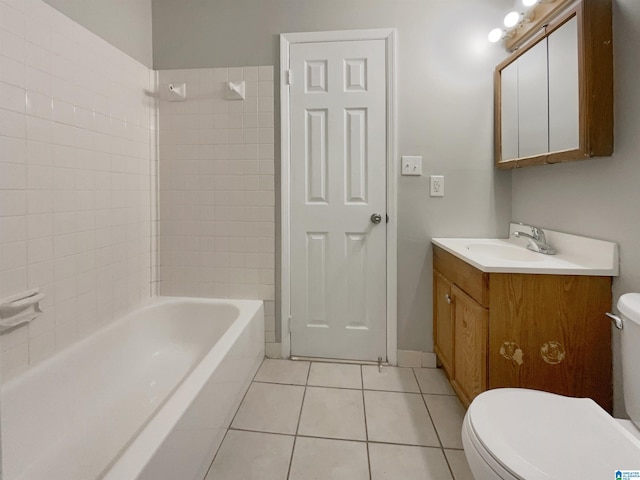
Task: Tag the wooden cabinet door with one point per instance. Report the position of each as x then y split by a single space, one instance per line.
443 322
471 338
564 88
550 332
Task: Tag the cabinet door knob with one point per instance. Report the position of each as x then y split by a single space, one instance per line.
448 297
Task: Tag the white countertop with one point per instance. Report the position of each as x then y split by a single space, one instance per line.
575 255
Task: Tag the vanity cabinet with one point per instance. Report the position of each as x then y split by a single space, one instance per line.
546 332
443 330
470 323
554 95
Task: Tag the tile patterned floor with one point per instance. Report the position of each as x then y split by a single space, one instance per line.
328 421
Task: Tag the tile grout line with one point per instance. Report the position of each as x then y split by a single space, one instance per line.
446 459
295 438
428 412
367 441
434 425
366 426
338 363
378 442
253 380
248 430
232 419
352 388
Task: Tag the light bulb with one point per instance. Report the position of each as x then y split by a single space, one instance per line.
529 3
512 19
495 35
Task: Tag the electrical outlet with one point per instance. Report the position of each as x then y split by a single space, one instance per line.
411 165
437 185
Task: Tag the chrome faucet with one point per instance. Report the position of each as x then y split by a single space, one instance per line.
537 241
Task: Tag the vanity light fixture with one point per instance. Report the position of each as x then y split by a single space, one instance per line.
531 3
498 34
515 19
495 35
511 21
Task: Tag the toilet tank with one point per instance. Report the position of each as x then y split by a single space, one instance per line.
629 308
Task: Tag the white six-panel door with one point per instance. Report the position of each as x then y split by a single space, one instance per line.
338 181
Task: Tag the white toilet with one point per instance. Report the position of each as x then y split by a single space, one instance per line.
516 433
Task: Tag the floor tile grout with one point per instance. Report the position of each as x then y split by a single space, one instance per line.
295 438
434 426
366 427
353 388
232 419
366 441
377 442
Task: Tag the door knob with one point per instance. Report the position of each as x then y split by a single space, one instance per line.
376 218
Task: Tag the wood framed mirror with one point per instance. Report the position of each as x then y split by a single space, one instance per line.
554 95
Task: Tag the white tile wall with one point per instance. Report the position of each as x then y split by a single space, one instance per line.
77 160
217 201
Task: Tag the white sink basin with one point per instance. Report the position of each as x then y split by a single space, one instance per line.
576 255
505 252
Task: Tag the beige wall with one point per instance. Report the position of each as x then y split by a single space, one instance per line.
445 68
125 24
599 197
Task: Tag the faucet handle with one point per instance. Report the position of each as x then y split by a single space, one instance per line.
538 234
533 228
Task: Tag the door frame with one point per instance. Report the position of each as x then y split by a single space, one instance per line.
393 167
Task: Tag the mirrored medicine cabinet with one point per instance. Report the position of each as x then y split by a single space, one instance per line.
554 94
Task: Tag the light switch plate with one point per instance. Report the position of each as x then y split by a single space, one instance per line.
411 165
437 185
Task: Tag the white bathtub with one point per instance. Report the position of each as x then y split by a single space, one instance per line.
149 397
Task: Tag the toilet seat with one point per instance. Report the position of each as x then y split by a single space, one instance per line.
532 435
481 462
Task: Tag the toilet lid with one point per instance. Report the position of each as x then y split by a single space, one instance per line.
539 435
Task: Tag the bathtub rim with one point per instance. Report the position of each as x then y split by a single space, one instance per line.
137 454
188 386
149 304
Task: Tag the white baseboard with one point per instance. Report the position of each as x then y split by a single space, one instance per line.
273 350
429 360
416 359
409 358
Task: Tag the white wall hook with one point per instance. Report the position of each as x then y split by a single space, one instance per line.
235 91
177 92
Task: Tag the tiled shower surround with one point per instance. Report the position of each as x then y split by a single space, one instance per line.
79 184
77 153
217 187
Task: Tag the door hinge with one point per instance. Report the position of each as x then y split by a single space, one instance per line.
287 77
289 324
